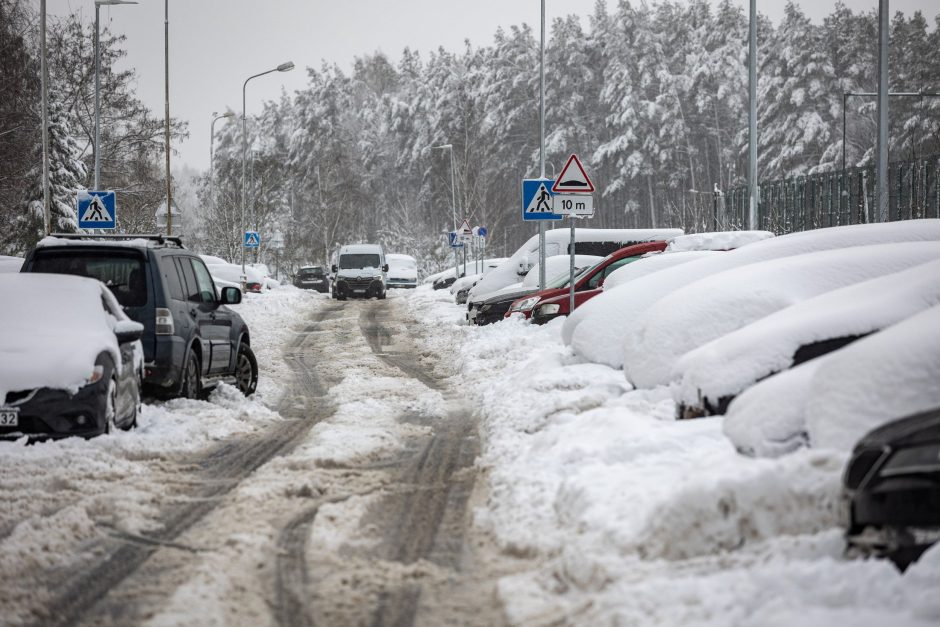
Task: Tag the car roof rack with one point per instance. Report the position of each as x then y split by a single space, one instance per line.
157 238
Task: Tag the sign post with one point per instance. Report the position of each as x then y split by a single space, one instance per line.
573 198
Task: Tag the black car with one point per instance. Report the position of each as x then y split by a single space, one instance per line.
892 482
69 370
191 340
312 278
494 308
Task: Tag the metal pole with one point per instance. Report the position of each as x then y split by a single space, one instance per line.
881 214
166 81
44 78
752 118
97 97
542 146
453 208
244 157
571 270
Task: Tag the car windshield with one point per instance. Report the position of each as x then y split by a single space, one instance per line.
561 280
357 262
121 271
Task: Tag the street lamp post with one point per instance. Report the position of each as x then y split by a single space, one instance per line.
284 67
215 118
453 199
98 4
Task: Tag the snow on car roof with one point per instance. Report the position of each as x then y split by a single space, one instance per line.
597 329
399 257
137 242
652 262
729 364
716 240
832 401
888 375
46 344
711 307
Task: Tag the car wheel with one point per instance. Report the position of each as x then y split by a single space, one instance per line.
132 422
192 384
246 370
382 295
110 405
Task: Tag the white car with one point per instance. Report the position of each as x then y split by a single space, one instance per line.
402 270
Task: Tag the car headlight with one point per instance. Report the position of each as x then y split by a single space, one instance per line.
96 375
916 459
525 304
549 310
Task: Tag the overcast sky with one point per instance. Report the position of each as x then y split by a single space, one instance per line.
216 44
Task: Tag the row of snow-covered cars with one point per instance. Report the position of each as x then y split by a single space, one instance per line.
826 338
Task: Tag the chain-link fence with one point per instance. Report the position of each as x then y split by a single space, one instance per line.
820 200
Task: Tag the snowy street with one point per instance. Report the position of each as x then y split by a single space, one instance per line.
399 467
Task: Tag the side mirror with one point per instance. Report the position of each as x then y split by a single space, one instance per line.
385 268
231 296
128 331
334 268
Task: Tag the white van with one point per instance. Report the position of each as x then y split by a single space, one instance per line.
360 271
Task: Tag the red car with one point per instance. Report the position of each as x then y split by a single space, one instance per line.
543 306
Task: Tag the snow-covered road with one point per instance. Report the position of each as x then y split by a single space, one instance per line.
400 467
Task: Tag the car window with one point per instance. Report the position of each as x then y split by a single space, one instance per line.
592 284
204 282
190 286
358 261
121 270
172 277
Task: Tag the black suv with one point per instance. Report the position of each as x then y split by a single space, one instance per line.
191 340
312 278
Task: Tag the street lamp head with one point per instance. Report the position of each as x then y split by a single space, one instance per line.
286 67
443 147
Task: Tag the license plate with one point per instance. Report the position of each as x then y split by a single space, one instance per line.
359 291
9 417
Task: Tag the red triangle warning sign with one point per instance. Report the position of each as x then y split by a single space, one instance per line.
573 178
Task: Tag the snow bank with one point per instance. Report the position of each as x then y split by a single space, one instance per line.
597 329
729 364
711 307
834 400
556 243
611 512
718 240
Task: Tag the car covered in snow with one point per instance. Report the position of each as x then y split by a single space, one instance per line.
892 484
552 303
231 274
10 264
711 307
710 376
312 278
598 330
402 270
833 400
192 340
71 361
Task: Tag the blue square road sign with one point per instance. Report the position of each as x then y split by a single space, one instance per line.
538 200
96 210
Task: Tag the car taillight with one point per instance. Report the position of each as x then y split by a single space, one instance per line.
164 321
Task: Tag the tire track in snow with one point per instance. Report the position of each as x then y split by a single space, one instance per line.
84 594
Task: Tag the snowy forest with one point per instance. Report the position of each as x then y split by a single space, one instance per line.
652 96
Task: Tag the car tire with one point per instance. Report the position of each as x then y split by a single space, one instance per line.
246 370
382 295
132 423
191 384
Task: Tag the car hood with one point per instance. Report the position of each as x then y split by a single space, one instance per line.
511 296
359 273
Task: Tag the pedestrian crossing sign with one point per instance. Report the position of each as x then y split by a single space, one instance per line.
252 239
96 210
538 201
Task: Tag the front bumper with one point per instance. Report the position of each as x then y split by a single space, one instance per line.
53 414
355 288
405 283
